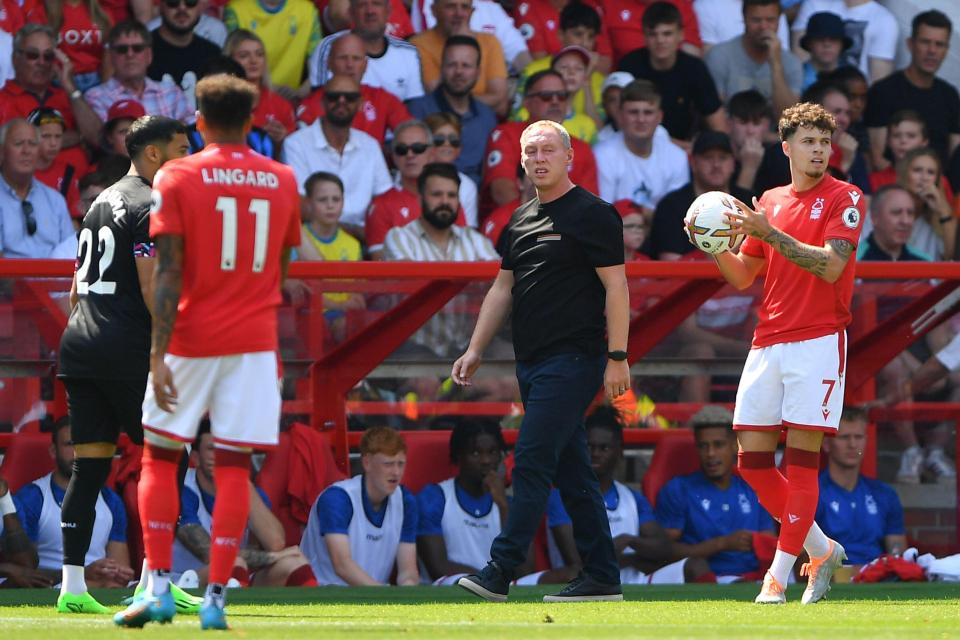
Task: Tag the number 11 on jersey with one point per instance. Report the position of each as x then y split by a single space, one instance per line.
260 208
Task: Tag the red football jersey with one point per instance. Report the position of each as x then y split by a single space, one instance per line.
503 158
798 305
274 106
394 208
399 24
80 38
236 211
539 22
379 110
17 102
53 177
497 221
621 24
11 17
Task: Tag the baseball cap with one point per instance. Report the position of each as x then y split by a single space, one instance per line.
46 115
573 48
710 140
618 79
626 207
825 25
125 109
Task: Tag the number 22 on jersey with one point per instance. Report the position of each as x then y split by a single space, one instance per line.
105 246
260 209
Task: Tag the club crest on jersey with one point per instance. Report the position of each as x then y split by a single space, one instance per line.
705 503
817 209
871 505
851 217
494 158
835 506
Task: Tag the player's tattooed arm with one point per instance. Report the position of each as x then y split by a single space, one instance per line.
196 539
167 283
16 545
256 558
824 262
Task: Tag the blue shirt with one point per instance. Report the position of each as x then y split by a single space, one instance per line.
335 512
190 504
475 127
859 519
29 503
49 211
557 514
431 503
701 511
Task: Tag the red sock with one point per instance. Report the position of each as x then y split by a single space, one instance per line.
302 576
159 504
801 506
231 475
707 578
760 471
241 574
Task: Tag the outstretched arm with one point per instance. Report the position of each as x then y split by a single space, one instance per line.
827 263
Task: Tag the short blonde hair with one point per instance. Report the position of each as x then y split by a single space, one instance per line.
559 128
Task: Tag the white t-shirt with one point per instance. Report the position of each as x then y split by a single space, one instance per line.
397 69
872 27
645 181
949 356
6 57
488 17
209 28
722 20
361 167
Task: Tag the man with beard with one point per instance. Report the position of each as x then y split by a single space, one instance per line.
331 144
178 52
459 70
435 238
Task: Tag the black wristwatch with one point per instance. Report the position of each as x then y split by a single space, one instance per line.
617 356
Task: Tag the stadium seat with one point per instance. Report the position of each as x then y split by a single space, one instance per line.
674 456
27 459
428 459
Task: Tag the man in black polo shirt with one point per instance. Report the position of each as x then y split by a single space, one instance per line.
712 167
892 214
562 276
688 93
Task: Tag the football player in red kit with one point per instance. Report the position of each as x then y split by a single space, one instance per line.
224 221
803 237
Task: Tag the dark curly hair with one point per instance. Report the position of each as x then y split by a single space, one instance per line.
805 114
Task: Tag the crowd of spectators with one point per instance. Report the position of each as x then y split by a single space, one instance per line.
370 101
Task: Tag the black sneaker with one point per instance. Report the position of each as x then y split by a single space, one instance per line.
490 584
583 588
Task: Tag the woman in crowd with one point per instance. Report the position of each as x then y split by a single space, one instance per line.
273 114
81 27
446 148
935 231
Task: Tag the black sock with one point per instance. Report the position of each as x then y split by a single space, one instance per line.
80 505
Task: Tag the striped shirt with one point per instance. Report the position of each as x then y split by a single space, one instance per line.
447 333
158 99
397 70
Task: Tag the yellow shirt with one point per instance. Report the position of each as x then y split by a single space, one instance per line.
289 33
578 123
341 247
429 45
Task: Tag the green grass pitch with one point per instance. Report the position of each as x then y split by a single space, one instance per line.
893 610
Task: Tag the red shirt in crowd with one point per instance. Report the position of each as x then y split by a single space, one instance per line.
539 22
273 106
118 10
621 24
394 208
236 211
798 305
379 110
54 175
889 176
494 224
399 24
17 102
503 159
80 38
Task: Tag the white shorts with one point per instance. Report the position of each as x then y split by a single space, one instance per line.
239 392
797 385
670 574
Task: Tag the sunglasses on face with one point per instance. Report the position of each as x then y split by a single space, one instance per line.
336 96
33 55
549 96
633 227
439 141
173 4
124 49
417 148
28 217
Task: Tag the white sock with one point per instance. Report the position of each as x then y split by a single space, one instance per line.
159 582
216 594
782 566
817 544
73 580
144 575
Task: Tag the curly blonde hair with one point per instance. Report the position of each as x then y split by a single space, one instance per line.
805 114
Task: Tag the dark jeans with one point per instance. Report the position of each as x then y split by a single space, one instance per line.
552 448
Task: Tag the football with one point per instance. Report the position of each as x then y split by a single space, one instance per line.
707 225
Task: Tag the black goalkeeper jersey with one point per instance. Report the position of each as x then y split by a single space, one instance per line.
108 334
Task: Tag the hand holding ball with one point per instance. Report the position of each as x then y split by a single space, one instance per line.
707 224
